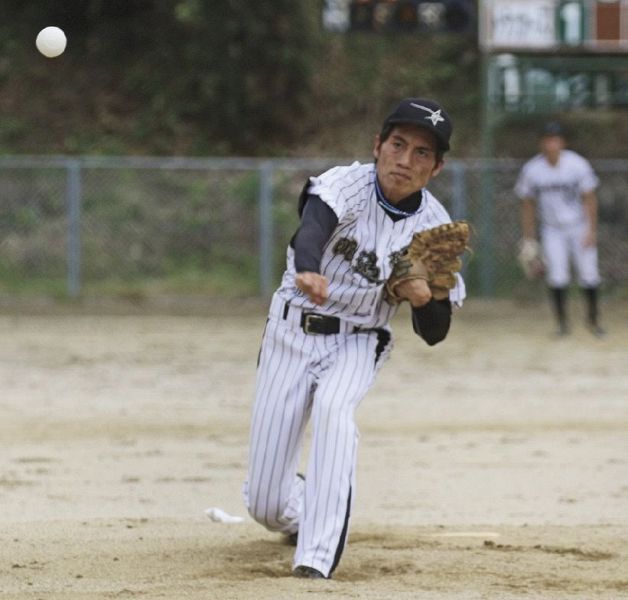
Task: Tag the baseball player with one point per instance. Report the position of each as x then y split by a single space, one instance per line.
559 186
328 333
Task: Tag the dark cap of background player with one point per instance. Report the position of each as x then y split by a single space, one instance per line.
552 128
424 113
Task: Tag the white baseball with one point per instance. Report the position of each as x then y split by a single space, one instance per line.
51 41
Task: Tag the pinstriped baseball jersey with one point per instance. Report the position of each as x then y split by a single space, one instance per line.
359 257
557 188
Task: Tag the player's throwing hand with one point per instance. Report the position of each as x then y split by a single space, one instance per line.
313 285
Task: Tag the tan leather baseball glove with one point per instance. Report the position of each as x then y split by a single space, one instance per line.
433 255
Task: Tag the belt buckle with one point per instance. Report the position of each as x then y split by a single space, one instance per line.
310 320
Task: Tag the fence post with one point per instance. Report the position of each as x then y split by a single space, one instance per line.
73 200
486 254
458 190
266 228
459 195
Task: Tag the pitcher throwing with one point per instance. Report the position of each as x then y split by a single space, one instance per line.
327 332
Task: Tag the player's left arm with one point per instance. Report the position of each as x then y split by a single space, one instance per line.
432 320
589 199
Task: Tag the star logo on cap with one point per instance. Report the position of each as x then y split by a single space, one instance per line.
435 115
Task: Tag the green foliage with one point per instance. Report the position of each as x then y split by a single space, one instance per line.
362 75
167 77
233 75
246 68
143 231
13 281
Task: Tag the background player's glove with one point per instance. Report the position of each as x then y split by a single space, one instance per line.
433 255
530 259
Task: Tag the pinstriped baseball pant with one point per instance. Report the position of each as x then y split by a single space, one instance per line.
303 377
562 244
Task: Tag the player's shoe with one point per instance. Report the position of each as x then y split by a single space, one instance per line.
305 572
596 330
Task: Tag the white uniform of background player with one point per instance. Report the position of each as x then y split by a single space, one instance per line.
558 186
327 334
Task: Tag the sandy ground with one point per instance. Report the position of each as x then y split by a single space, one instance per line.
492 466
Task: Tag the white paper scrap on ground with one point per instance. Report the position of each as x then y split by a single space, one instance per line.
220 516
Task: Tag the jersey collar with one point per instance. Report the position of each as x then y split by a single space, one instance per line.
413 200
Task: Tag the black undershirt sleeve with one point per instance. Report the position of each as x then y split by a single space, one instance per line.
432 320
317 224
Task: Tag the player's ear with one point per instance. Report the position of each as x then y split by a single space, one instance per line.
376 147
438 168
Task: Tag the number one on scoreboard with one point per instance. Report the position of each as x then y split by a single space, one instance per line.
571 23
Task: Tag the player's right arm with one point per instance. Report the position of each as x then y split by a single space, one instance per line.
318 222
528 218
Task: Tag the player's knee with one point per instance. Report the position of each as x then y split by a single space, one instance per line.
558 281
262 513
257 512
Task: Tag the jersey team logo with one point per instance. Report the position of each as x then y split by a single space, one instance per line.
366 265
346 247
435 115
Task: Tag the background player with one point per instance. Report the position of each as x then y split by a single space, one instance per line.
559 185
328 330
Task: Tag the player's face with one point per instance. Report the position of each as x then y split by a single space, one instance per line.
406 161
551 146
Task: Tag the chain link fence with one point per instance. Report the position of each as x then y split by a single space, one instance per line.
98 226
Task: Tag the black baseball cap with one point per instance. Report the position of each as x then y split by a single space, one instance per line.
424 113
552 128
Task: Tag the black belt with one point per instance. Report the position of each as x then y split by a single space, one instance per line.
315 323
312 322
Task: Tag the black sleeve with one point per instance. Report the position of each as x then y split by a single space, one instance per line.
432 320
317 224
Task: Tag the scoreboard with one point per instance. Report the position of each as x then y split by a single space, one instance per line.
549 55
545 25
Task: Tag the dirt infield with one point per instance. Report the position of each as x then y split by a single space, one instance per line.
492 466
